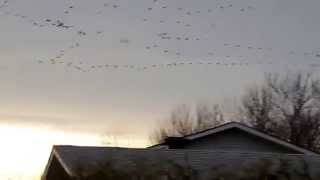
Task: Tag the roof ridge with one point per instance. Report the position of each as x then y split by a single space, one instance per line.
194 150
225 124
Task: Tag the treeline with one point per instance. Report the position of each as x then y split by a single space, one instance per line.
286 106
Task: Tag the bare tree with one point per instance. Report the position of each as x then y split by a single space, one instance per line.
207 117
286 106
184 120
257 107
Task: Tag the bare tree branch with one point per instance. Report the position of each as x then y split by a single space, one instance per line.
184 120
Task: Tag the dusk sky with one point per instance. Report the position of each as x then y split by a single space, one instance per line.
73 71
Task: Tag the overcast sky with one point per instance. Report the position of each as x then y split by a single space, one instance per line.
117 66
122 32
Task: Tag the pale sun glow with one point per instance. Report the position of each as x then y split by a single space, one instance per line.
25 150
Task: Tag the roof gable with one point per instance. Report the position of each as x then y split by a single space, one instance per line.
55 157
243 128
251 131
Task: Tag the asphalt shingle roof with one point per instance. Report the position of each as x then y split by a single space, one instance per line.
74 158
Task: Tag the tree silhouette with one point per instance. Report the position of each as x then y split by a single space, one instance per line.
286 106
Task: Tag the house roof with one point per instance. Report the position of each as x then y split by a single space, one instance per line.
243 128
74 158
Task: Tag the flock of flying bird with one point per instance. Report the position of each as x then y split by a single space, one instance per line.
167 37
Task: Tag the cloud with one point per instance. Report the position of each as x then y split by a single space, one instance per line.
45 121
70 125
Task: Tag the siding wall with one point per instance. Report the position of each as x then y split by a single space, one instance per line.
236 140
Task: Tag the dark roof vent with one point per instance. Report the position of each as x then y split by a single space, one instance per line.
176 142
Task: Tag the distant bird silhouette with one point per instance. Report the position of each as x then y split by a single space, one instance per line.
181 31
81 33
